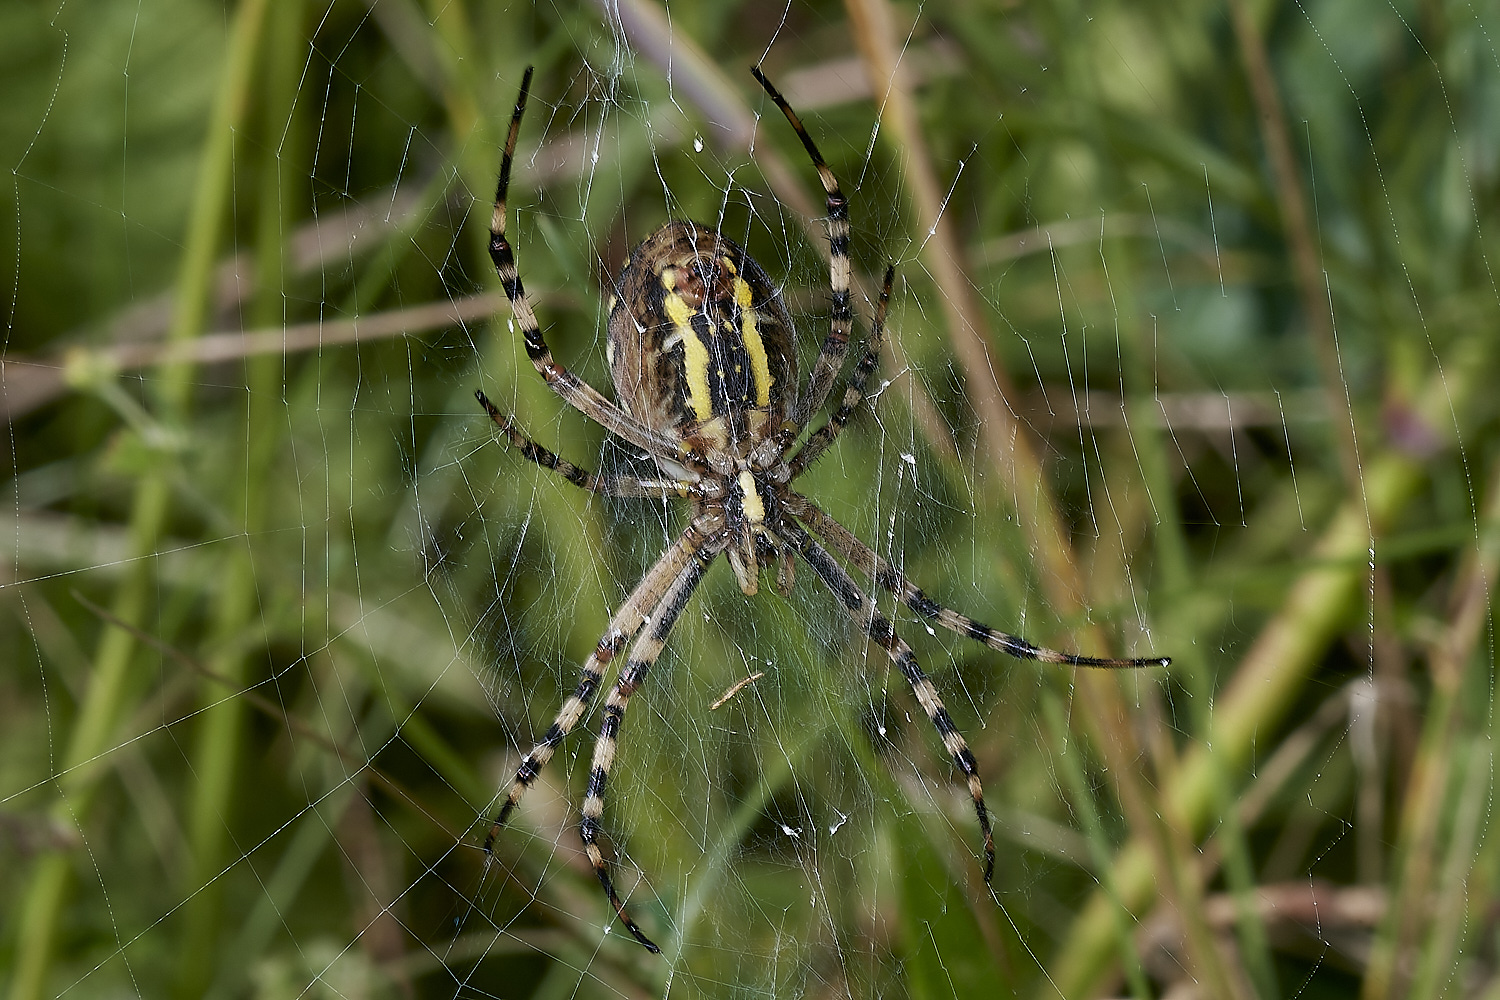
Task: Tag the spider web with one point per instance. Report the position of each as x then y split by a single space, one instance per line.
1186 357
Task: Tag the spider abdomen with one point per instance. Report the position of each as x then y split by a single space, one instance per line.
700 343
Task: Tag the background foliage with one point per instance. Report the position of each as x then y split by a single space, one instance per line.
1193 324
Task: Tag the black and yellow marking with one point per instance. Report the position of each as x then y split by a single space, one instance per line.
700 343
723 356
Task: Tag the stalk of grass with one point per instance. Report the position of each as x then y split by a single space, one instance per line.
1291 203
1439 961
212 806
109 691
452 40
1010 450
1166 833
1173 578
1008 444
1019 467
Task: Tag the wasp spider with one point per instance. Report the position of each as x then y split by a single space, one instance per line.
702 353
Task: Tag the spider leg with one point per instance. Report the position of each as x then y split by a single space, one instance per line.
573 390
854 392
647 595
841 318
643 654
889 578
615 486
862 610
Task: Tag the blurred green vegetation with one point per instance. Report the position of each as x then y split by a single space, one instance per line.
282 613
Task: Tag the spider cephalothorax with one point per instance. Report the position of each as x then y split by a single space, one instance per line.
702 351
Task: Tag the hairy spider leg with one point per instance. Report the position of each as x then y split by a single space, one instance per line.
861 609
648 594
614 486
888 578
841 311
573 390
854 391
648 646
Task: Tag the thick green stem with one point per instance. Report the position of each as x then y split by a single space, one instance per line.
1272 672
110 689
217 753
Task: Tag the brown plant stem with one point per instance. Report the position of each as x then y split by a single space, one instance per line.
1307 270
1008 445
1013 455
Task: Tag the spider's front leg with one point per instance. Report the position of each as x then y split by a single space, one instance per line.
861 609
643 654
854 392
841 315
648 594
574 391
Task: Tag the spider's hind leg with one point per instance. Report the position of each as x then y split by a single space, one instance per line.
643 654
626 622
862 610
889 578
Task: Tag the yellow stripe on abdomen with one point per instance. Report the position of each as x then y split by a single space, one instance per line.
760 365
694 352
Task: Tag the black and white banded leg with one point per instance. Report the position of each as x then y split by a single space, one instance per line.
643 654
888 578
841 311
862 610
615 486
854 392
647 596
574 391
